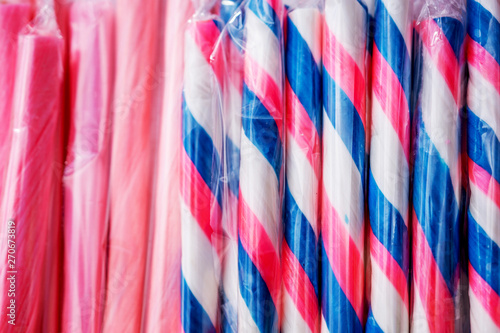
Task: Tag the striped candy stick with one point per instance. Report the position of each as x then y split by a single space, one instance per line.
436 186
483 57
342 225
389 176
261 170
303 170
201 168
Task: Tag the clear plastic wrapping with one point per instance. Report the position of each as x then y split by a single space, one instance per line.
86 174
436 229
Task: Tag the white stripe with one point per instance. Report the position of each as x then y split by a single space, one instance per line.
483 99
388 307
302 182
234 115
480 320
493 6
324 327
200 265
399 10
263 47
292 319
260 189
346 19
199 88
343 182
388 162
440 116
419 319
308 23
230 276
485 212
245 320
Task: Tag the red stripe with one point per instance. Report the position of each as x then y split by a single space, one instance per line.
485 294
206 34
345 72
442 54
261 250
198 198
300 288
485 182
391 98
389 267
268 91
344 256
302 129
436 299
480 59
278 7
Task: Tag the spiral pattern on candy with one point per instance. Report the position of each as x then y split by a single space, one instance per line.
200 190
261 170
303 171
483 100
389 176
437 174
342 225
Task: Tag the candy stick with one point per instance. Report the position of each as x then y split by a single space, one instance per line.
131 162
261 170
389 177
201 195
86 176
13 17
303 170
483 57
30 183
436 186
342 227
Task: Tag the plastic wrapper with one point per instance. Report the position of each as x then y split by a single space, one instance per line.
132 162
300 267
483 146
13 18
31 190
389 174
86 175
439 58
344 167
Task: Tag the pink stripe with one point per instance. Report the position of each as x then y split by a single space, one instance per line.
345 72
344 257
436 299
390 267
391 98
300 288
261 250
441 53
480 59
268 91
485 294
485 182
278 7
206 34
235 63
302 129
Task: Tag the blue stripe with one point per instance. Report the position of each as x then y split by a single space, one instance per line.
260 127
346 121
484 28
454 32
435 205
483 146
194 318
301 238
255 293
303 74
388 225
233 166
392 47
201 150
228 8
267 15
371 324
229 317
484 254
335 307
